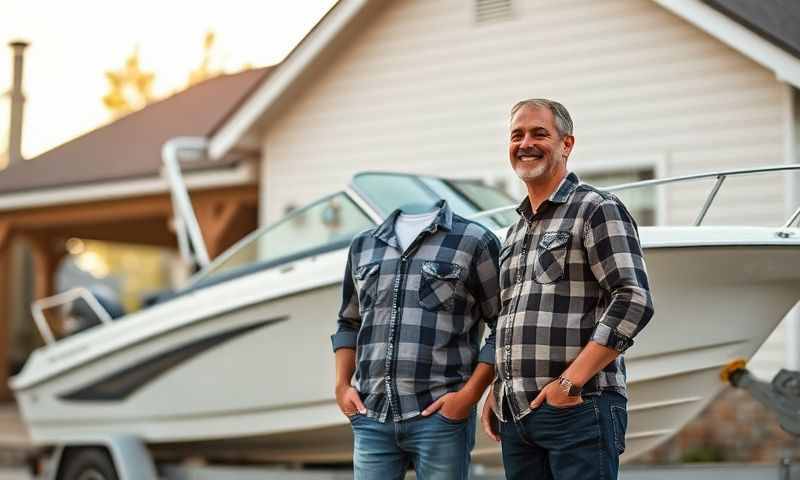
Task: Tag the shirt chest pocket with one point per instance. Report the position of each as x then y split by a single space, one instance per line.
550 261
366 277
439 283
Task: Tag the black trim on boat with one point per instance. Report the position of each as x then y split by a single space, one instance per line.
247 270
122 383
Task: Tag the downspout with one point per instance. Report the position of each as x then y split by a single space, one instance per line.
193 248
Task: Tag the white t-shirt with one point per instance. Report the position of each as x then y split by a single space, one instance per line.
408 226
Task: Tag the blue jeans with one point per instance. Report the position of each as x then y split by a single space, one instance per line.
582 442
437 447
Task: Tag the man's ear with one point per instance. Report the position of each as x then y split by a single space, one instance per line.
569 142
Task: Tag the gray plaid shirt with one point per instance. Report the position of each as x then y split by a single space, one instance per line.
570 273
416 317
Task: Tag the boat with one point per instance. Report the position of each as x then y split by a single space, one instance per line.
237 364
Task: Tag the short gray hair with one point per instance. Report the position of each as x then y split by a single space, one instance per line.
560 114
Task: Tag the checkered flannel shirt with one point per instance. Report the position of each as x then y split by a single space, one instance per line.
415 318
570 273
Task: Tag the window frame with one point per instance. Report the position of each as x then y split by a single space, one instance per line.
657 165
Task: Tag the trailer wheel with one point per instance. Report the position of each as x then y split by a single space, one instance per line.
88 464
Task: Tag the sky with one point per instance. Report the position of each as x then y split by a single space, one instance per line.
72 44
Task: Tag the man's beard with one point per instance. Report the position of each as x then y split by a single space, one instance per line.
539 170
527 173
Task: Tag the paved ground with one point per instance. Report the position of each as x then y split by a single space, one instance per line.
721 472
13 474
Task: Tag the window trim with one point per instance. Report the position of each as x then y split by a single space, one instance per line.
657 165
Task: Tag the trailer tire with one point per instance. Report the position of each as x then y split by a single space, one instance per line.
88 464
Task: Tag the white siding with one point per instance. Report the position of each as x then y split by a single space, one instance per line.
423 88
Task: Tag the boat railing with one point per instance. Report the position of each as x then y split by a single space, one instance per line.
721 176
39 306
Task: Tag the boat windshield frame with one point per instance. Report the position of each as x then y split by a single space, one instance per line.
358 196
452 183
205 277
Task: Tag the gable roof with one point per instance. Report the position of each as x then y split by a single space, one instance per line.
130 148
778 21
747 29
767 32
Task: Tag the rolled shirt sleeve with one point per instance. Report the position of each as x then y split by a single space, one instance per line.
349 320
616 261
486 291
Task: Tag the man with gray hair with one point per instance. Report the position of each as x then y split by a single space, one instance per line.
574 294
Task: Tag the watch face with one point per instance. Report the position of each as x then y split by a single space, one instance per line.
568 387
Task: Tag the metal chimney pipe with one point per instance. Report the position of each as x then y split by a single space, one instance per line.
17 103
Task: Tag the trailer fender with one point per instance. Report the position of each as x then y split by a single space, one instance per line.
129 456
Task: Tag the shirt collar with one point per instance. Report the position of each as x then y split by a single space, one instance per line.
560 195
444 219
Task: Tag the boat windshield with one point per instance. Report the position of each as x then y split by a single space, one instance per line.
326 225
331 223
413 194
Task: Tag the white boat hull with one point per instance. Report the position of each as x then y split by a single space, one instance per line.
183 382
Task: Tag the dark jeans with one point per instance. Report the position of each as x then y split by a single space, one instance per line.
438 447
576 443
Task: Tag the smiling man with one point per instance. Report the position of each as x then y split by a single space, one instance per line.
574 294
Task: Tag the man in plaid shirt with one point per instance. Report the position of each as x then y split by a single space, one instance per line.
574 294
413 309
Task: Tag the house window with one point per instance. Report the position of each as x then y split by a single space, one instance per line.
492 10
641 202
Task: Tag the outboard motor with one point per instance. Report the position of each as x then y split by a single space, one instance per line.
781 396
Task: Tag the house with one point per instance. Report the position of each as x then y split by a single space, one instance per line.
106 185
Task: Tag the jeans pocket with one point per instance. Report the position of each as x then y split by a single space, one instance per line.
355 418
619 424
450 421
587 402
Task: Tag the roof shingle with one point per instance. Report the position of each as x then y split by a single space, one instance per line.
131 146
777 21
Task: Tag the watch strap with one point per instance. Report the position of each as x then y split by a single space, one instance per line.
569 387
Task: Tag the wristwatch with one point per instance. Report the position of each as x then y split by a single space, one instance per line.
568 387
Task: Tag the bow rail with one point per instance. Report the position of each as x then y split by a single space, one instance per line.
720 176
